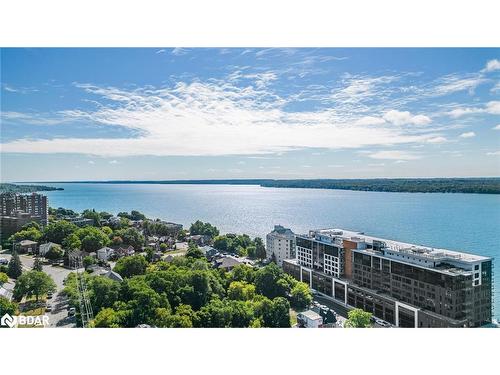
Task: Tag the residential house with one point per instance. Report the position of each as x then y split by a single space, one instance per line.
105 253
45 247
27 246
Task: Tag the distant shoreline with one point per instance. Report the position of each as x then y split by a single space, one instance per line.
478 185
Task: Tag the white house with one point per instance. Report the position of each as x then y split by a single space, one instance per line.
280 243
45 247
309 319
105 253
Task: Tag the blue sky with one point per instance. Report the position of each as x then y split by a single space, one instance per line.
175 113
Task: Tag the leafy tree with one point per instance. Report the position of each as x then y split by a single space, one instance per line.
30 225
132 237
241 291
107 318
57 232
103 292
149 253
88 261
251 251
117 241
183 317
92 214
7 307
105 215
222 243
55 252
260 249
163 247
3 278
33 283
107 231
37 264
15 267
357 318
131 266
301 296
275 313
199 227
72 242
194 251
242 272
136 215
216 314
270 281
31 234
241 313
91 238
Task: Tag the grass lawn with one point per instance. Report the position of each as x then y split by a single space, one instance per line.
293 317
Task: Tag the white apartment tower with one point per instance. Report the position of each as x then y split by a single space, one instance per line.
280 243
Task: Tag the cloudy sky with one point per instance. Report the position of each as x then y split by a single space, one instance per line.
164 113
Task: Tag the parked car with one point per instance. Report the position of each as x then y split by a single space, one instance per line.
72 311
4 261
382 323
49 295
48 308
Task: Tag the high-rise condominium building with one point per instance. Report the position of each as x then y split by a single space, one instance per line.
34 204
280 244
404 284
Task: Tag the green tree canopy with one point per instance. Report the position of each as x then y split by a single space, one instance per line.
199 227
132 237
91 239
301 296
357 318
58 231
15 267
3 278
31 234
33 283
131 266
55 252
7 307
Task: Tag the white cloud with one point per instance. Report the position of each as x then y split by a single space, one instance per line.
370 120
467 135
437 140
211 118
335 166
496 87
394 155
404 117
160 51
496 127
459 112
495 153
113 162
178 51
492 65
91 162
455 83
376 164
493 107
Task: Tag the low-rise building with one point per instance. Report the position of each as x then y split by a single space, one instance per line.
105 253
45 248
27 246
309 319
280 244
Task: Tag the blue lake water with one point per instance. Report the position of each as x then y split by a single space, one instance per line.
466 222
